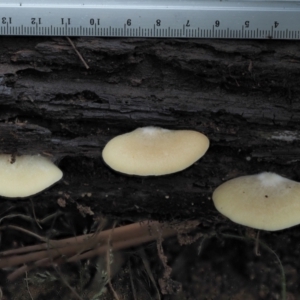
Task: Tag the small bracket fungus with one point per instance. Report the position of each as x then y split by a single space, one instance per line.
154 151
264 201
27 175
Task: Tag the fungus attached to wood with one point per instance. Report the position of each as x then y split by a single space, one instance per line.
26 175
154 151
264 201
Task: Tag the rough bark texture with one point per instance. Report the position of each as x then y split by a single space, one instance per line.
244 95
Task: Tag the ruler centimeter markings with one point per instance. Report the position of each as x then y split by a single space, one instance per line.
155 18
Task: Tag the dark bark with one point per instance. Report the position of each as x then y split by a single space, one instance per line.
244 95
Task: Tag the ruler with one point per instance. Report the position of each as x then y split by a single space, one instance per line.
155 18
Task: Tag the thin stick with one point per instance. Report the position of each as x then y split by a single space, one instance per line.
108 262
79 55
33 211
41 238
42 258
27 286
122 245
17 273
131 282
50 217
283 279
120 233
142 254
126 235
67 283
54 266
16 215
256 249
30 219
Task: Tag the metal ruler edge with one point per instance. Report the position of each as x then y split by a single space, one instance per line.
160 19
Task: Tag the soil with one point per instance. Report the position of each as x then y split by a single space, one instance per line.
244 95
206 266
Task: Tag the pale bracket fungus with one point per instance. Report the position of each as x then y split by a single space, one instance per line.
154 151
264 201
26 175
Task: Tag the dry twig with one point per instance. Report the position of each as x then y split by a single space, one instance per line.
78 53
27 286
81 247
108 251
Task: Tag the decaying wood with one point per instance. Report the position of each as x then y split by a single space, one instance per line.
244 95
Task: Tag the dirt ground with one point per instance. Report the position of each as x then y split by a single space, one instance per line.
212 267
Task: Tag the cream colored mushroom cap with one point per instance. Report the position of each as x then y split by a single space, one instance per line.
154 151
26 176
264 201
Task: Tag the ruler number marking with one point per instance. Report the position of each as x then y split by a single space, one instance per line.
68 22
6 20
36 21
92 22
